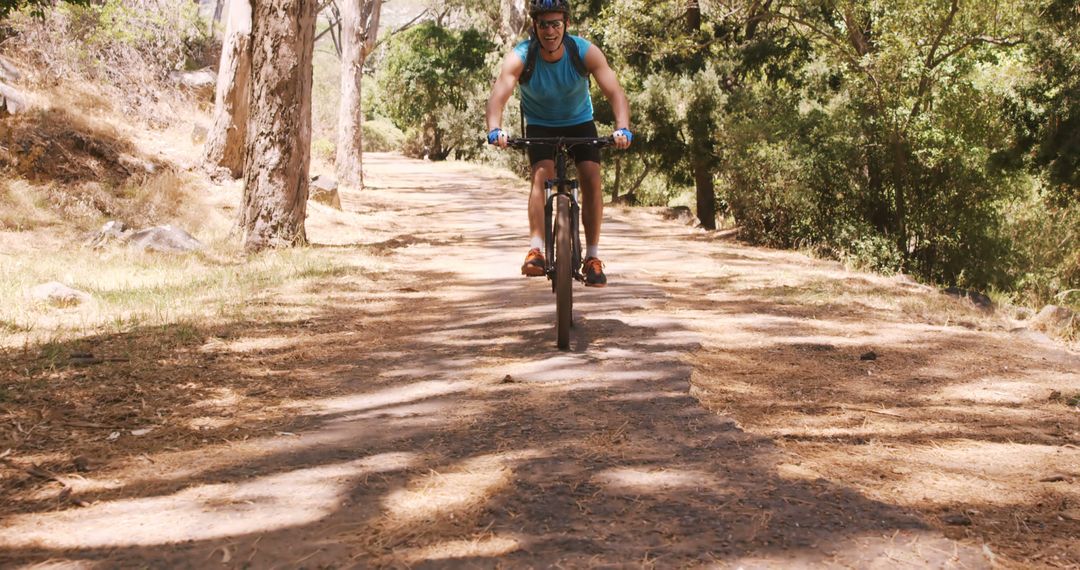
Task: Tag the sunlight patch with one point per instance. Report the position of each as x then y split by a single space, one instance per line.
998 391
897 549
206 422
221 398
438 494
204 512
489 547
249 344
388 397
959 471
793 472
63 564
453 493
646 480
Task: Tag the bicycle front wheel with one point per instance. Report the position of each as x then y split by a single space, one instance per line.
564 272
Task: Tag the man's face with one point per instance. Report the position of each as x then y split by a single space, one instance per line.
550 27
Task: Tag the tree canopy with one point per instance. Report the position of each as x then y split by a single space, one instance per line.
430 72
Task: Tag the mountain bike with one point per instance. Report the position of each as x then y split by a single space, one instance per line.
562 237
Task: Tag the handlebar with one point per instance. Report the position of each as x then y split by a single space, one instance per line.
565 142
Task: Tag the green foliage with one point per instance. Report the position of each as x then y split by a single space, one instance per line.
1047 107
430 76
36 8
1046 249
871 131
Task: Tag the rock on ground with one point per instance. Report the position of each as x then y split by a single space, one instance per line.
112 231
324 190
57 294
12 101
1053 319
165 239
202 82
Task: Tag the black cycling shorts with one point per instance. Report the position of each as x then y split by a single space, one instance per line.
581 152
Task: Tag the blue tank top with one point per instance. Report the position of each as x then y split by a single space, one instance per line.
556 96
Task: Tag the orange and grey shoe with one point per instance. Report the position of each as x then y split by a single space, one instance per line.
534 263
593 270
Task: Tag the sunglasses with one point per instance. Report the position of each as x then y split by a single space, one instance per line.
545 24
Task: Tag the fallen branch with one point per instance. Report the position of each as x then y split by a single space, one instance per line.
34 470
867 410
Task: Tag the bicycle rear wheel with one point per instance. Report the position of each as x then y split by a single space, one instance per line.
564 273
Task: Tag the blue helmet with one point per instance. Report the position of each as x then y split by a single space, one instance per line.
541 6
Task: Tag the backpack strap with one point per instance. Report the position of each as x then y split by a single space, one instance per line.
576 60
530 59
534 48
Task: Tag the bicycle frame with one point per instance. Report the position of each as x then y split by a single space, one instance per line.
561 185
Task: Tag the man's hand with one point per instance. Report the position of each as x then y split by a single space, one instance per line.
498 137
623 138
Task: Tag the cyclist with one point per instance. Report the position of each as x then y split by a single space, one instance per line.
552 69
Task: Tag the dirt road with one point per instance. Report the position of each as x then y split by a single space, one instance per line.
719 407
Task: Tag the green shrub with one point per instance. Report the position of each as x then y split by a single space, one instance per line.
323 149
380 135
431 85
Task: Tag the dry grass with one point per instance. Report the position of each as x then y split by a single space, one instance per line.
131 290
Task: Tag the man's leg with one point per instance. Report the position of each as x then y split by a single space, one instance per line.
592 201
592 214
541 172
534 261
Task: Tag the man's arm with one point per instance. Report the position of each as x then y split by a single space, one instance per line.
512 66
597 65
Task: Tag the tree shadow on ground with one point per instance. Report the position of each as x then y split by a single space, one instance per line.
445 430
954 419
426 420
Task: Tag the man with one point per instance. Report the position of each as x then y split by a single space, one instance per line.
556 102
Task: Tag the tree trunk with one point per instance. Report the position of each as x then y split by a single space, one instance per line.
437 153
693 16
703 180
706 194
901 177
359 28
279 132
513 19
218 6
226 140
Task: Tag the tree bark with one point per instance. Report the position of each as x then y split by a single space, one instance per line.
359 28
693 16
706 194
226 140
279 132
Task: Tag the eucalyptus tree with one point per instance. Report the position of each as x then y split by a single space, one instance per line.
226 139
279 130
359 30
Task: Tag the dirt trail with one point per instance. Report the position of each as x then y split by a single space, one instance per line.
457 435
